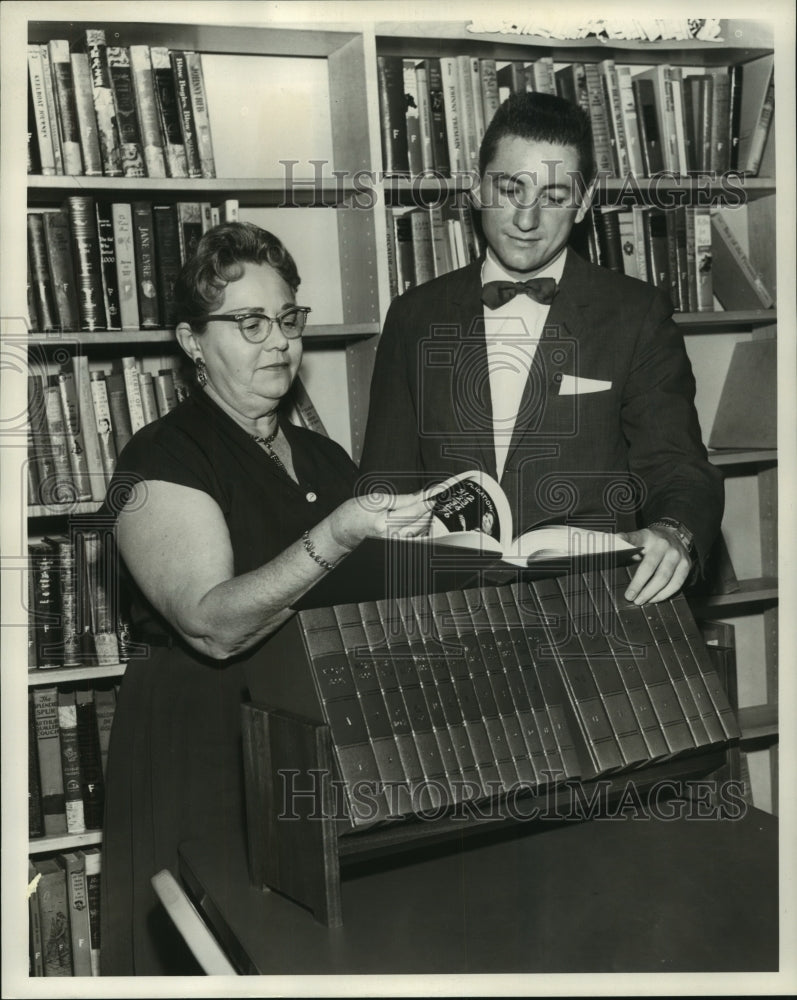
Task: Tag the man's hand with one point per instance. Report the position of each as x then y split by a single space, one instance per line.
663 568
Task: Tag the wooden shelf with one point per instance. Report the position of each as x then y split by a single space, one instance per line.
743 456
68 675
721 321
751 593
124 338
432 185
63 509
758 722
66 842
271 191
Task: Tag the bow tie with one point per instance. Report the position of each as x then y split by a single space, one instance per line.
497 293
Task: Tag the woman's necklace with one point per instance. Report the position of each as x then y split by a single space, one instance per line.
267 444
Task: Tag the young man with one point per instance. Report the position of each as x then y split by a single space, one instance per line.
575 393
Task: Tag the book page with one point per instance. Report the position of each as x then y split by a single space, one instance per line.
563 541
473 503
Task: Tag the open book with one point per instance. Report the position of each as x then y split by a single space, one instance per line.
472 512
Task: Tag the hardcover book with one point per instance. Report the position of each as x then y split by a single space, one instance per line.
35 815
86 254
92 860
169 112
39 446
392 113
147 110
199 106
54 918
124 251
182 89
110 147
86 115
58 242
70 762
132 150
145 249
48 745
44 127
64 86
92 782
74 867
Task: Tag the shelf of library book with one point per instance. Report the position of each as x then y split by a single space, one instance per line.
752 594
65 842
71 675
287 191
740 40
318 333
758 723
744 456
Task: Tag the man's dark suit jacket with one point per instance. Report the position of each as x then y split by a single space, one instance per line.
615 458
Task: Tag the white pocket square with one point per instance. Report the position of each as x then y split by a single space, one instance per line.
575 385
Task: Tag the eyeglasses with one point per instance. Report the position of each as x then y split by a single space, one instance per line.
255 327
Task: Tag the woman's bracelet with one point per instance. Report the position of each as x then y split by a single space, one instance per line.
308 545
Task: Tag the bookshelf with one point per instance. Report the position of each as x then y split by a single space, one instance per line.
344 268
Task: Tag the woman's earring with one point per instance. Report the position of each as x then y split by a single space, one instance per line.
201 371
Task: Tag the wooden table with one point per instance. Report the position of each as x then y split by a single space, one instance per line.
620 895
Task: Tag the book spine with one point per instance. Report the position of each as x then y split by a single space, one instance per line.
147 110
672 256
49 752
393 778
489 84
605 645
86 115
54 918
110 148
102 418
423 255
88 425
440 245
124 249
723 230
34 924
145 264
61 488
33 313
453 114
97 575
720 115
633 140
648 120
120 411
467 113
608 226
93 786
513 709
35 815
706 123
165 394
412 117
76 444
342 710
473 73
440 145
130 371
182 89
544 75
424 116
735 115
544 683
390 82
45 608
690 92
93 865
126 117
64 87
691 258
199 105
455 788
681 257
77 897
390 253
86 254
69 600
70 762
760 132
614 114
446 632
105 707
405 264
189 228
704 285
639 214
675 78
40 273
396 708
61 268
148 401
52 107
44 136
658 252
169 112
601 139
625 221
107 256
167 258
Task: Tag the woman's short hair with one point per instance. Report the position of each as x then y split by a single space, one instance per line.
541 118
220 257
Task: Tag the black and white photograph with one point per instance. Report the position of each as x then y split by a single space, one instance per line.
397 521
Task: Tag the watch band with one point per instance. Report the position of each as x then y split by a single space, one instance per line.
684 534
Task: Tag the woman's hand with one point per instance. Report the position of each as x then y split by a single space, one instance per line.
381 515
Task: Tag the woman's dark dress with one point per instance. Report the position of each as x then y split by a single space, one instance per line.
175 766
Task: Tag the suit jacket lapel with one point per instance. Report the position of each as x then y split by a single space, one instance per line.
557 352
470 388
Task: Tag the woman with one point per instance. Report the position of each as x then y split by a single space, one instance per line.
229 514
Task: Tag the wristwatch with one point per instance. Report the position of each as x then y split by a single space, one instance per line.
684 534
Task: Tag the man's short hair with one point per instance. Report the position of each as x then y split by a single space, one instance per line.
543 118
